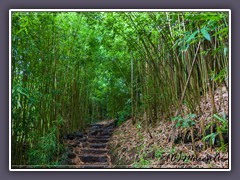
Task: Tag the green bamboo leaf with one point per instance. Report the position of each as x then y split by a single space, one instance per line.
22 93
192 115
26 31
219 118
225 51
185 124
192 36
213 139
23 29
26 23
19 104
209 136
178 124
205 34
222 32
19 31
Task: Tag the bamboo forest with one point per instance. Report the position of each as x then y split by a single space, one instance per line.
130 89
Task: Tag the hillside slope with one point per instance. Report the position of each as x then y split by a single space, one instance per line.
134 146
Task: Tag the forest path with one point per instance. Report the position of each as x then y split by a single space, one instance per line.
91 150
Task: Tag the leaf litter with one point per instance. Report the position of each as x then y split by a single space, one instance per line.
134 147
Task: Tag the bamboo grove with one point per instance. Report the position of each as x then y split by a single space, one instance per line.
70 69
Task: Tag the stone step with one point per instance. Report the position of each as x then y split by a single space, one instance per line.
105 134
79 134
97 140
70 136
94 133
108 127
93 158
97 145
111 124
94 151
107 131
84 139
83 144
95 166
98 137
91 147
96 125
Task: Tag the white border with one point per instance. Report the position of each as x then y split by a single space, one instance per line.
124 10
118 10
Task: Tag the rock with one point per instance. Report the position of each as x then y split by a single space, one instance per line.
65 161
93 158
72 155
96 140
95 128
79 134
98 145
106 133
93 132
75 144
84 139
97 125
84 144
111 125
70 136
94 151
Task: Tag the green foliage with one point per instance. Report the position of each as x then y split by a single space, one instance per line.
139 127
142 162
172 151
205 34
184 122
43 152
159 153
221 76
224 123
192 36
210 137
223 128
123 115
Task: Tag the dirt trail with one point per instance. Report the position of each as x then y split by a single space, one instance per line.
90 150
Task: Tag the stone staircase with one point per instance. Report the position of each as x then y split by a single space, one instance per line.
90 150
